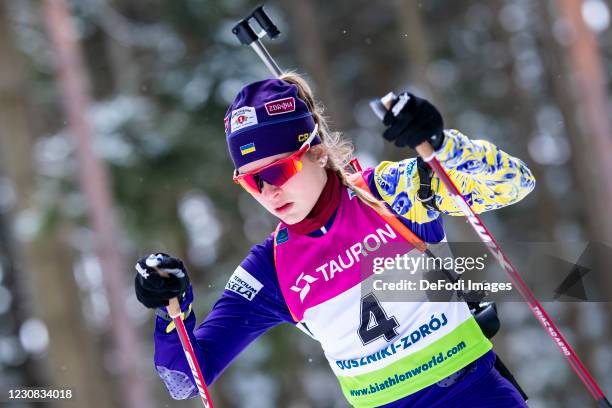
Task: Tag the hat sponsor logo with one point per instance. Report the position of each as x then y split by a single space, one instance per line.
280 106
247 148
243 117
226 123
303 137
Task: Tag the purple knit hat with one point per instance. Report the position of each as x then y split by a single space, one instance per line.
265 119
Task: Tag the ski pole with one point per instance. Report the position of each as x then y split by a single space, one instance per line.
428 154
174 310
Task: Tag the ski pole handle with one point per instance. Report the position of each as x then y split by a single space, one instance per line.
174 307
425 150
174 310
247 36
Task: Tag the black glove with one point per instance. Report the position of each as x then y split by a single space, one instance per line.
153 290
412 121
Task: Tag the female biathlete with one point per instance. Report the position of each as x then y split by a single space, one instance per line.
306 273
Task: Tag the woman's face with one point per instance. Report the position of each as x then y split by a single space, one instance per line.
294 200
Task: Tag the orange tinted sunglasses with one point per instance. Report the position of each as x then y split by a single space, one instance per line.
276 173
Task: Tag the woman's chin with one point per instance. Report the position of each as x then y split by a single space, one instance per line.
291 219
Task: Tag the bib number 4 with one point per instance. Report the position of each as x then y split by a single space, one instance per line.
374 321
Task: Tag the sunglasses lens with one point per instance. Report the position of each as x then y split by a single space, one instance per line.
250 183
279 174
276 175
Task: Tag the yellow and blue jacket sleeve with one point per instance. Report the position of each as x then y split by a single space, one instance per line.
486 176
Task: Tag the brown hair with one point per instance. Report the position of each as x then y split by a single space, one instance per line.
339 151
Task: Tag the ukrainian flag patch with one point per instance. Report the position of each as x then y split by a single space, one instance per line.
247 148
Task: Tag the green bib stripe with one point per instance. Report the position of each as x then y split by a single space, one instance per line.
417 370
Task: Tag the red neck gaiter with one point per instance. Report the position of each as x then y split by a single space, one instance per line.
323 209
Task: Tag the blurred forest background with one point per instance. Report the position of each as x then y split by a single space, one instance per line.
148 84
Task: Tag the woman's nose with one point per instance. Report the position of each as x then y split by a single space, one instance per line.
269 190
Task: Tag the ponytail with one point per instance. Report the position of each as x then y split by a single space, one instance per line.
338 150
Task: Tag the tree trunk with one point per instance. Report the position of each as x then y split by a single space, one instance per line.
73 81
584 105
41 269
589 88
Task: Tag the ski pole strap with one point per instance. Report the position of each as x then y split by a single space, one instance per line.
425 194
359 181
